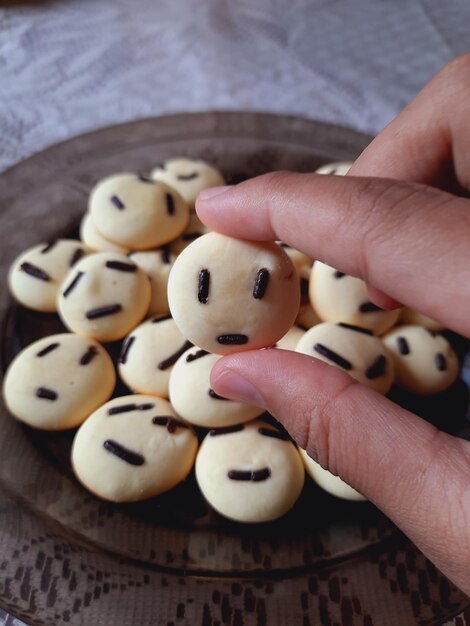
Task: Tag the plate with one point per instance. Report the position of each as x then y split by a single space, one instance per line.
68 557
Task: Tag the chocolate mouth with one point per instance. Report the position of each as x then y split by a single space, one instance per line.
255 476
232 340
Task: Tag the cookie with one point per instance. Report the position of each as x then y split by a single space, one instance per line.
157 265
136 212
133 448
414 318
35 276
228 295
328 481
307 317
338 168
105 296
250 472
194 229
425 362
188 177
299 259
353 349
337 297
195 401
91 236
290 339
148 355
57 382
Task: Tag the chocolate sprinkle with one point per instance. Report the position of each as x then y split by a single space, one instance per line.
377 368
89 355
48 247
35 271
170 204
117 203
332 356
277 434
126 408
168 421
338 274
203 286
255 476
261 283
76 256
403 346
166 254
46 394
216 396
196 355
161 318
441 362
126 346
369 307
73 284
357 329
121 267
47 349
171 360
103 311
123 453
230 340
191 176
215 432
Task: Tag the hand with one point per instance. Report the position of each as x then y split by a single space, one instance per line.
408 235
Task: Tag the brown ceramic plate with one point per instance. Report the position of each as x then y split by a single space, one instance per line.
67 557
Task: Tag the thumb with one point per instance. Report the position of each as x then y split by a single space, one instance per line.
401 463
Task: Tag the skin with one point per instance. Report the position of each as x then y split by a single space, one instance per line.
401 221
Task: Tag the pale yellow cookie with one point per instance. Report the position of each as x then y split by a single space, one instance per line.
414 318
157 265
338 168
91 236
328 481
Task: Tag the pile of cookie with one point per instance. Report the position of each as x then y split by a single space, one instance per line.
143 253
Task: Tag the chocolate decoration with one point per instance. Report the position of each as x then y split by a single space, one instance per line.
377 368
369 307
284 245
338 274
196 355
215 432
170 204
261 283
145 179
403 346
166 254
76 256
126 408
133 458
48 247
216 396
170 422
232 340
47 349
332 356
89 355
304 290
117 203
190 236
46 394
431 332
255 476
35 271
121 267
126 346
171 360
103 311
191 176
161 318
203 286
357 329
440 361
276 434
73 284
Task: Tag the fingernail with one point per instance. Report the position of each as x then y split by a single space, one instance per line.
212 192
232 385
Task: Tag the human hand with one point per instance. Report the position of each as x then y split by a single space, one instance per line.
408 235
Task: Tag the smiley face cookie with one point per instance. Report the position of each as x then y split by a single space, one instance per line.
133 448
188 177
338 168
35 276
195 401
148 355
58 381
338 297
157 265
136 212
228 295
329 482
250 472
91 236
105 296
354 350
425 363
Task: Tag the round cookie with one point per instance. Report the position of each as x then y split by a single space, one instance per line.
228 295
188 177
133 448
425 363
58 381
329 482
414 318
299 259
194 229
338 168
36 274
290 339
354 350
195 401
306 317
157 265
249 473
91 236
105 296
338 297
148 355
136 212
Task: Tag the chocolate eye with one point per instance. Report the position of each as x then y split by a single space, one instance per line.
215 432
276 434
261 283
203 286
170 204
117 203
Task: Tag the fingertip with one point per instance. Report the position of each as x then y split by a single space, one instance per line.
227 381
